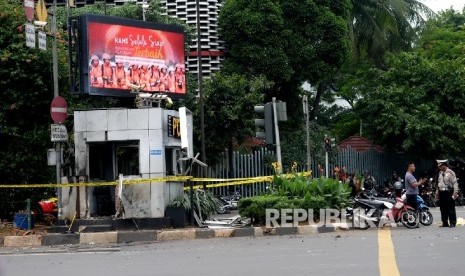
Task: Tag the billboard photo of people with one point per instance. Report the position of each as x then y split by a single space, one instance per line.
133 56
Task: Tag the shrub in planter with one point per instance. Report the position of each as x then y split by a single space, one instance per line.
177 210
295 186
255 207
335 194
204 201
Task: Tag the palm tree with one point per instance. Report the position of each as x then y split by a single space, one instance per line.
378 26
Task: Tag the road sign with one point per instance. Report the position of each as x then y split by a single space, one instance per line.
42 40
59 110
59 133
29 9
30 35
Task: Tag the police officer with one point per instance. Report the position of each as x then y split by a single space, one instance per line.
447 194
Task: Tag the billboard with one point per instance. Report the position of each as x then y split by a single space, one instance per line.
119 55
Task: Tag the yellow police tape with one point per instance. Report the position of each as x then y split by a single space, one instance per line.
223 182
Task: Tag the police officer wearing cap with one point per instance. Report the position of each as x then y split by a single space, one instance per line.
447 194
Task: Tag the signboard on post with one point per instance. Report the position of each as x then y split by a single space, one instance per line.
42 40
29 9
30 35
59 110
59 133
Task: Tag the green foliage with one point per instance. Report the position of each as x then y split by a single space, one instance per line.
295 186
287 42
255 207
414 102
296 192
181 201
204 201
335 194
377 27
229 103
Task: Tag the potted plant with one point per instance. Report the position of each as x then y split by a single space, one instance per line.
177 210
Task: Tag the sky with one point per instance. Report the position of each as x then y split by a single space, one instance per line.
438 5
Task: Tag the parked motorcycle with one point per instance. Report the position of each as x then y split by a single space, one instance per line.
425 216
229 202
381 210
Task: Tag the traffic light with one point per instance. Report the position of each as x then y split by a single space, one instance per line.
281 111
265 125
327 144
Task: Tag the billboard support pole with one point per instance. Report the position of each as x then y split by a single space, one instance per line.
200 86
56 94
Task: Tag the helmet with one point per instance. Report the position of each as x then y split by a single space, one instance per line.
106 56
398 186
94 57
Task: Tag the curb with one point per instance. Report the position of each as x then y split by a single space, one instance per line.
118 237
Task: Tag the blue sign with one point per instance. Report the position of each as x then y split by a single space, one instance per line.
155 152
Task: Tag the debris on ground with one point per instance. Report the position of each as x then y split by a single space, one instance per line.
7 229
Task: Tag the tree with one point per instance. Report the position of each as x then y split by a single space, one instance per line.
375 28
380 26
416 103
288 42
229 102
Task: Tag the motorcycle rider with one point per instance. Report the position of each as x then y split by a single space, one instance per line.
411 186
447 194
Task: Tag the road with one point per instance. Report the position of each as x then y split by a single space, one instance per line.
391 251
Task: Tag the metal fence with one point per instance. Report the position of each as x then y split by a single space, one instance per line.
380 165
241 166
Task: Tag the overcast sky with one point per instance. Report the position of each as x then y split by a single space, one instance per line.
438 5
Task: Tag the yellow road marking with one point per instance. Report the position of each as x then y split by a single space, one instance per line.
387 256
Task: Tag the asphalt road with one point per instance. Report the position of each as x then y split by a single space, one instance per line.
426 251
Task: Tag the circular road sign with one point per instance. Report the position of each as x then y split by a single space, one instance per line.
59 110
29 9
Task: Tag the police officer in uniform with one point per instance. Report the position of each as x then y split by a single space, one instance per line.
447 194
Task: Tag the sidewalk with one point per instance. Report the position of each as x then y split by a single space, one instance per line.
118 237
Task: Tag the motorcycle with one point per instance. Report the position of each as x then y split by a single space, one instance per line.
229 203
377 212
425 216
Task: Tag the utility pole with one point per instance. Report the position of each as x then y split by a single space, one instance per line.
200 85
276 130
307 127
56 94
327 149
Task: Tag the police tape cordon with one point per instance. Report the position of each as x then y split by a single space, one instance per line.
222 182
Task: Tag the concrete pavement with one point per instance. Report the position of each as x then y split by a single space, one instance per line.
427 251
118 237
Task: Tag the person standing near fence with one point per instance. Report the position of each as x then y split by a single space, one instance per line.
447 193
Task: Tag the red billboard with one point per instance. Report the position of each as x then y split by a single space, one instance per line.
121 55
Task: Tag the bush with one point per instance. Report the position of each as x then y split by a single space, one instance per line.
335 194
295 186
255 207
204 200
300 186
296 192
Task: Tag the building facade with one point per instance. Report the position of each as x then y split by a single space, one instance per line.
212 48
